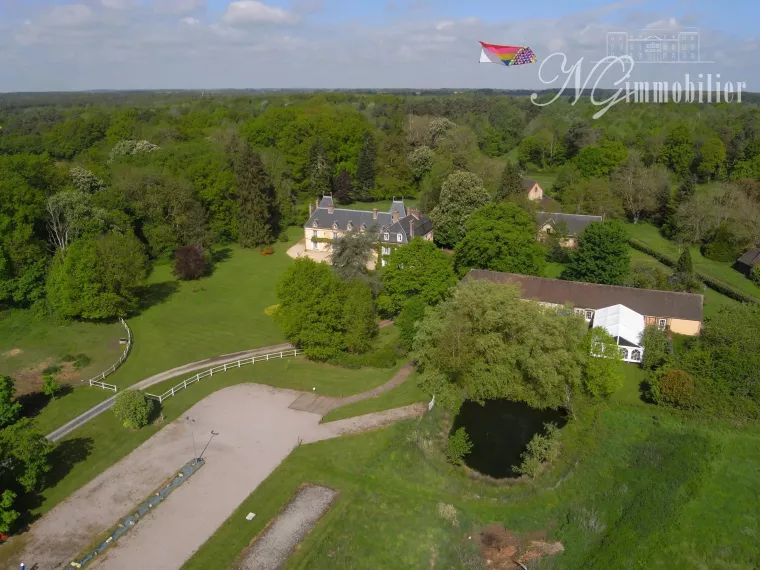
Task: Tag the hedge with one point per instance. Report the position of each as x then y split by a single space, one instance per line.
713 283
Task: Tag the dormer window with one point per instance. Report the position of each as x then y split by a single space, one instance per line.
350 225
335 225
315 224
363 227
399 238
386 236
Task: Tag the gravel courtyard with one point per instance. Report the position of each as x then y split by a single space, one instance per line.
257 430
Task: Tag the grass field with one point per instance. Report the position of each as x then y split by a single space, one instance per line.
101 442
29 344
189 321
403 395
381 205
651 236
633 489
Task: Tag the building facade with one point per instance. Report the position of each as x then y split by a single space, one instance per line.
396 227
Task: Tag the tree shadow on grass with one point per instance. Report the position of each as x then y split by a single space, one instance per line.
156 293
221 254
32 404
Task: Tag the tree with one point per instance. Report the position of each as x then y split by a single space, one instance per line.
754 274
592 196
365 167
85 181
421 161
634 184
70 215
359 317
351 253
311 312
438 128
501 237
406 322
98 278
676 389
486 343
23 464
319 170
686 190
685 264
678 150
602 374
656 348
344 188
10 408
191 262
50 387
511 182
712 157
602 255
133 408
458 447
256 197
461 194
417 269
599 161
696 218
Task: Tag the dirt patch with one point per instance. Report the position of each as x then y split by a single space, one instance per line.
13 352
30 380
503 549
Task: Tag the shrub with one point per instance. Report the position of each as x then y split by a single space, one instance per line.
191 262
133 408
458 447
51 370
78 360
723 246
272 310
266 251
411 312
754 274
543 449
676 389
283 238
49 386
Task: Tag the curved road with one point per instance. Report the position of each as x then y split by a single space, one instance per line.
98 409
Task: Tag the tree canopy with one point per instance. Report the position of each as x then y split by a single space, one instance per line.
461 194
602 255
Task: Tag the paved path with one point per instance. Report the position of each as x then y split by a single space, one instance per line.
68 427
257 428
322 405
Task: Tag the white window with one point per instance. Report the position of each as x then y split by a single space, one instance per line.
335 235
579 312
315 233
383 262
386 236
315 224
624 353
661 324
636 355
589 315
399 238
386 251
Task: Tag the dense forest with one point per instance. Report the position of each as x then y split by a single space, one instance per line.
93 187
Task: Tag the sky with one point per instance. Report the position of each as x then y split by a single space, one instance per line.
52 45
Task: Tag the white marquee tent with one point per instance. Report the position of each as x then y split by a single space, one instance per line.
626 326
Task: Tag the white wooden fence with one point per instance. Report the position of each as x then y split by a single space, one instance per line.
98 380
224 368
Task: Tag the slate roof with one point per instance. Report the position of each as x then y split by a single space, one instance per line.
575 223
528 183
340 218
647 302
750 258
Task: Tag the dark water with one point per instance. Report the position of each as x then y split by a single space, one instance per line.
500 431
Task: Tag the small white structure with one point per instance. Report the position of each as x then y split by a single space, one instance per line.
626 326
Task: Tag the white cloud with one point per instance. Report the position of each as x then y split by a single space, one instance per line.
443 25
190 21
69 15
255 12
178 6
120 4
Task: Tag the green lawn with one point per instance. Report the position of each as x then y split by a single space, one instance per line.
405 394
101 442
28 344
632 489
630 393
189 321
554 270
651 236
381 205
545 179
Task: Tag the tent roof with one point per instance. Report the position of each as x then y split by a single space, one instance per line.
622 322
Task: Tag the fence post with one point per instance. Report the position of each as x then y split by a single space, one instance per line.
185 382
172 390
211 372
225 368
238 364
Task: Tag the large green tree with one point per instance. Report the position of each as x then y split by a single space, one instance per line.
352 252
486 343
678 150
256 197
10 408
359 317
319 170
417 269
501 237
461 195
98 278
602 373
602 255
311 312
365 167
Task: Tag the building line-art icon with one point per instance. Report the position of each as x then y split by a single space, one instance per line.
656 46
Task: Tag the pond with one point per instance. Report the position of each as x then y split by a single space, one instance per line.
500 431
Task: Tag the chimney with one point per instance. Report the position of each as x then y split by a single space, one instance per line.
414 212
330 208
411 230
395 216
374 213
311 209
316 202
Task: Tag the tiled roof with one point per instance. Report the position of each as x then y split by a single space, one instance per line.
575 223
750 258
647 302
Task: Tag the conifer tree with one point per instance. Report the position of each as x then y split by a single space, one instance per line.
256 196
344 188
365 168
685 264
319 170
511 183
